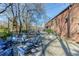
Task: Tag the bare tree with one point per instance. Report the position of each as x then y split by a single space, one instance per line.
21 14
5 8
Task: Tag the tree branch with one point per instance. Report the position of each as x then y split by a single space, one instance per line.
5 8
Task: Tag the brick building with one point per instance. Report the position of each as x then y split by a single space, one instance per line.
66 23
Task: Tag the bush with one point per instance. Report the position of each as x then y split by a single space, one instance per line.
4 33
49 31
24 31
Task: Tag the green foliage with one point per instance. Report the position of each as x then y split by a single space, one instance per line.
25 31
4 33
49 31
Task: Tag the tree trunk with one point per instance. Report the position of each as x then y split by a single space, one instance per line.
8 26
20 27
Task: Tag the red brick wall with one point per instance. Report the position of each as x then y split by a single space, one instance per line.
59 23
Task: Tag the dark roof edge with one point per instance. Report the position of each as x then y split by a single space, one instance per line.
61 12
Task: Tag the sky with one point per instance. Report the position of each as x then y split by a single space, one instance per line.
51 9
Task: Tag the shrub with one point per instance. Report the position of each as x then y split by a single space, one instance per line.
49 31
4 33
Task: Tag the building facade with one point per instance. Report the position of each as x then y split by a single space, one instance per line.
66 23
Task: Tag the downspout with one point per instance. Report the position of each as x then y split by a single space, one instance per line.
68 22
